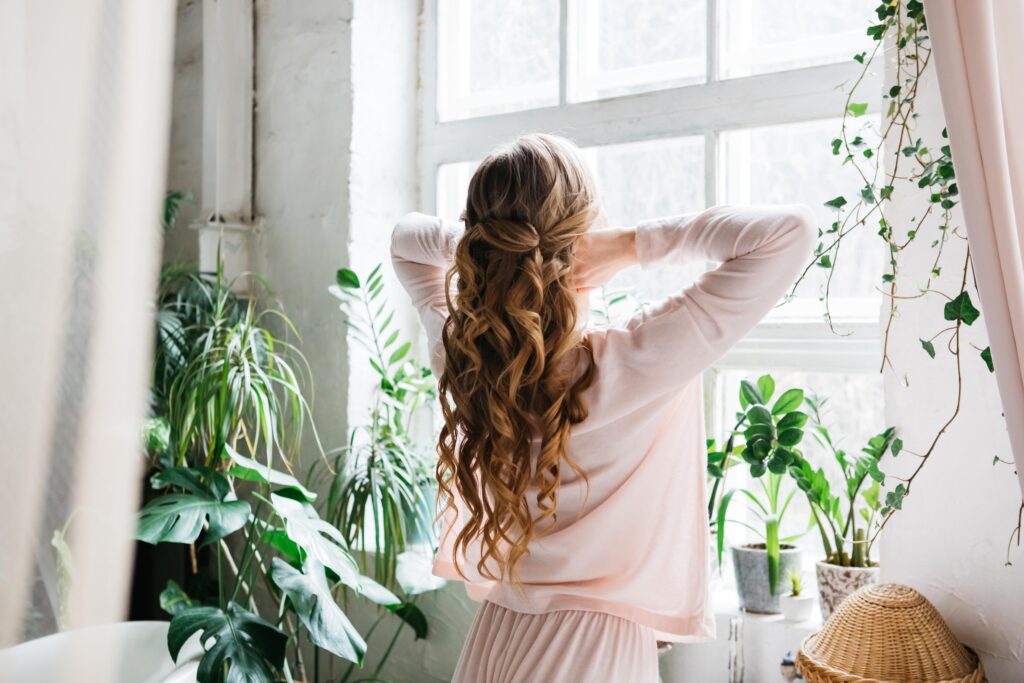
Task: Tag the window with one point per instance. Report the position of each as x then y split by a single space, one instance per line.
679 105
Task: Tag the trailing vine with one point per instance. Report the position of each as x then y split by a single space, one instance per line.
927 175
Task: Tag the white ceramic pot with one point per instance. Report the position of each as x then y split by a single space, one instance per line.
835 583
797 607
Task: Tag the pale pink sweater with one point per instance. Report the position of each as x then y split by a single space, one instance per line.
637 546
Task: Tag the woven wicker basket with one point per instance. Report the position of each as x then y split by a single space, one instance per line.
886 633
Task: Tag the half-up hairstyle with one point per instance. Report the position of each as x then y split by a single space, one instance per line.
512 347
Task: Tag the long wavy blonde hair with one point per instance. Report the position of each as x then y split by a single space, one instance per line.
512 347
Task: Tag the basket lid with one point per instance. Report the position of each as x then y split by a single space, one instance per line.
890 632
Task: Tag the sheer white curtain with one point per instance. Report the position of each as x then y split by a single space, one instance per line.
84 125
979 61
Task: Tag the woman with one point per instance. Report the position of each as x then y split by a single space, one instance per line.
572 458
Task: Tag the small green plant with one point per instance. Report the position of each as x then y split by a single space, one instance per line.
764 439
845 519
378 495
796 583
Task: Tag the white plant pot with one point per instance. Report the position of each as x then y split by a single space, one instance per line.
835 583
797 607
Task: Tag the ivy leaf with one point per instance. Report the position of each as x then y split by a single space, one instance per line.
897 446
894 498
928 347
986 356
961 309
825 261
254 647
837 203
857 108
836 144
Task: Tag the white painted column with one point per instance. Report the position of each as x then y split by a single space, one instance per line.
225 222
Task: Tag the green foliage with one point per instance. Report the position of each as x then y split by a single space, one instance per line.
181 517
253 647
311 597
843 517
764 439
796 583
378 496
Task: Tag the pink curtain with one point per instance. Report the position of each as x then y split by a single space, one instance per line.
979 59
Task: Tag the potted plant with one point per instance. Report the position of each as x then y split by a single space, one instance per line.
765 439
797 605
844 519
267 572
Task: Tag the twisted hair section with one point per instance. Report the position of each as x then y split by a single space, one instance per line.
513 351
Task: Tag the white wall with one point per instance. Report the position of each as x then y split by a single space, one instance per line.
950 540
302 133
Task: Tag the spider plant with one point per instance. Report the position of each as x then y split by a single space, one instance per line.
379 493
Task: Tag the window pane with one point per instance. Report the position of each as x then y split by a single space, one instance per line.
794 163
452 187
650 179
629 47
496 56
852 413
758 36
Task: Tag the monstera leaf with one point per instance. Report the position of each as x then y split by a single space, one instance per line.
253 470
253 648
323 543
314 604
179 517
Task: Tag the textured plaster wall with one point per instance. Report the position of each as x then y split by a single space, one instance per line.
303 134
184 171
950 540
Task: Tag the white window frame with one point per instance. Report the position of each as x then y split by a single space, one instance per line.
706 109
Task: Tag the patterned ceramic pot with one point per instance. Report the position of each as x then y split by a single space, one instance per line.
750 562
835 583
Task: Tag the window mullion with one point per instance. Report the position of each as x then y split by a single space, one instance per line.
711 41
563 52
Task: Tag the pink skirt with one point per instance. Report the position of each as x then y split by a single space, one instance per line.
505 646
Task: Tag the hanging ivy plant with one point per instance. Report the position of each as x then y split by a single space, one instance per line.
919 171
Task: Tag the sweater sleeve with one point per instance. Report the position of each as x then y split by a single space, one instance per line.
760 250
422 247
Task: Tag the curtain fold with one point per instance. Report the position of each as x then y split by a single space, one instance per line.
84 125
979 60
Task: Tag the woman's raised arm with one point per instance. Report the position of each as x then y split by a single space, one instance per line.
760 248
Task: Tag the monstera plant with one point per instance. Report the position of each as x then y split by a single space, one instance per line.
229 410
